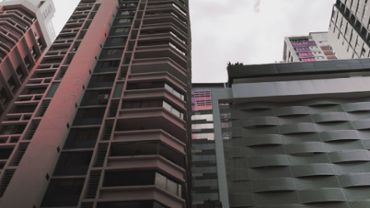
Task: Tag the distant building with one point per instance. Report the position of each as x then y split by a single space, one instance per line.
205 191
25 33
349 32
44 11
314 47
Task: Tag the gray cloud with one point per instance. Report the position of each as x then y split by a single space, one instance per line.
248 31
257 6
234 30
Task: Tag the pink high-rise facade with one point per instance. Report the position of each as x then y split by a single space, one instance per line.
23 38
104 119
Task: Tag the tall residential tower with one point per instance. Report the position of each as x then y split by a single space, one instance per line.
104 120
205 192
349 32
23 38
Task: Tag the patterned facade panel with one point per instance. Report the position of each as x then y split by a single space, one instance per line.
304 154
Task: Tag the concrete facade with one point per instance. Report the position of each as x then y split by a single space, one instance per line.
294 135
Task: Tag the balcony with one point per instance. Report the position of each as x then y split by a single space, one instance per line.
146 162
155 93
89 116
148 150
63 192
95 97
165 76
146 204
154 28
141 185
170 18
73 163
150 119
163 51
160 65
150 135
101 81
81 138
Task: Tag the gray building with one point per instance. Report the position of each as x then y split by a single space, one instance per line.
294 135
349 31
205 192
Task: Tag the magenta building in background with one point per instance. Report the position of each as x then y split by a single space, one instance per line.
314 47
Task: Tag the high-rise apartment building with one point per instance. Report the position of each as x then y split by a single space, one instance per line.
104 119
205 191
349 32
43 10
294 135
314 47
23 38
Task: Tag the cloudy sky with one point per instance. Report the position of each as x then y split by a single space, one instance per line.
248 31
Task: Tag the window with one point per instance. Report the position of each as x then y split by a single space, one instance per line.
116 41
144 85
107 66
179 9
20 73
118 90
131 204
142 104
167 184
147 148
123 21
89 116
104 80
12 129
173 110
141 178
5 152
4 97
124 13
52 90
120 31
112 53
95 97
28 62
173 91
63 192
73 163
81 138
12 85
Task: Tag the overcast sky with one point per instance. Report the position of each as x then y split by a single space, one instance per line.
248 31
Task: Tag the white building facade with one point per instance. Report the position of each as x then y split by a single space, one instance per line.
314 47
44 10
349 32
